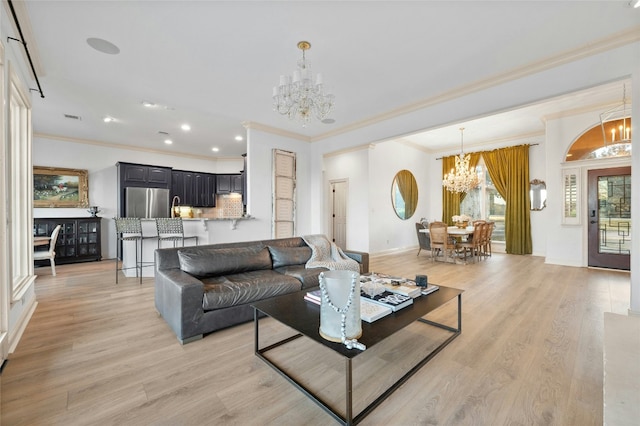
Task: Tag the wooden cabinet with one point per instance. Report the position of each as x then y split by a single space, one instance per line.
79 239
141 175
226 184
204 188
193 189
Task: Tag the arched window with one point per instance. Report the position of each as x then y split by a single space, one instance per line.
591 144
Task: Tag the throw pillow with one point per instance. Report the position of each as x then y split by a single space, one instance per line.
285 256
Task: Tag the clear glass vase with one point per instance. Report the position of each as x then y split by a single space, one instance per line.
338 285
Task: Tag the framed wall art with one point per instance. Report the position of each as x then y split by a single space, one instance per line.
58 187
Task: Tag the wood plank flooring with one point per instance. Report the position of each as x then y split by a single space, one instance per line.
530 353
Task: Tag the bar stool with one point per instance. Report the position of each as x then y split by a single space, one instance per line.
130 229
171 229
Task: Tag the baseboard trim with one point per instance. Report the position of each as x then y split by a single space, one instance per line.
14 338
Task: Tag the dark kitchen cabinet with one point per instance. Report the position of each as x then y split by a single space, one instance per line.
193 189
177 185
226 184
204 188
79 239
141 175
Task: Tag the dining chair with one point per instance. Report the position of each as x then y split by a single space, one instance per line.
474 242
487 248
129 229
172 229
51 253
440 241
424 239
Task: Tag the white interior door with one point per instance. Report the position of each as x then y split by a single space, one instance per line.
339 213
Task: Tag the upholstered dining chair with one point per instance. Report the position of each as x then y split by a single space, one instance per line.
424 239
51 253
440 241
172 229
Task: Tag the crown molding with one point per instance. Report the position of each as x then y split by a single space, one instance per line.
275 130
131 147
348 150
620 39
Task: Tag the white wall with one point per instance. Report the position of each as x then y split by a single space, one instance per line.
353 166
260 146
100 161
387 231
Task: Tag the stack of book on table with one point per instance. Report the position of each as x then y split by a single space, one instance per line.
393 284
369 311
394 301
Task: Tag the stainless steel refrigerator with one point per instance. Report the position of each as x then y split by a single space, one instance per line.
146 202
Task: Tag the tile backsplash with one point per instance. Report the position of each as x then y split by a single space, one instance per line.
227 205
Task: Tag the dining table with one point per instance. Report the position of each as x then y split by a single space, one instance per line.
454 231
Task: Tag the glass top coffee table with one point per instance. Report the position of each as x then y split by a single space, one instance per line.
304 317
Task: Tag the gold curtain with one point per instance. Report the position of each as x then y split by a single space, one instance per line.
408 190
451 200
509 172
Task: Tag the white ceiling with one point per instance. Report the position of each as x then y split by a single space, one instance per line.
213 64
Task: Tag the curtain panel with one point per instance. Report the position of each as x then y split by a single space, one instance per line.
451 200
509 172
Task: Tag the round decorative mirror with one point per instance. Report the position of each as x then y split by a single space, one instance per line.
404 194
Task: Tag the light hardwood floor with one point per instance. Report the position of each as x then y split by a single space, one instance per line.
530 353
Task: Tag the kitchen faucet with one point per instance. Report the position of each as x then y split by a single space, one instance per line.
173 203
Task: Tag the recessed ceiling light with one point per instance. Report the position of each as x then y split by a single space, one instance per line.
103 46
215 149
148 104
239 138
108 119
168 141
185 127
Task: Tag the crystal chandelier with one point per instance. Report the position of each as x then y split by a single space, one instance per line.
299 97
463 178
616 122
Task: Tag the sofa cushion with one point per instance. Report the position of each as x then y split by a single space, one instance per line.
208 262
246 287
285 256
308 277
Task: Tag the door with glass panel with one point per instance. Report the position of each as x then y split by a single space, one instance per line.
609 217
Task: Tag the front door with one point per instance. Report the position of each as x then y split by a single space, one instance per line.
610 218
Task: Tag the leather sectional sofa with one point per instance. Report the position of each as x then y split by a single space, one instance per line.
205 288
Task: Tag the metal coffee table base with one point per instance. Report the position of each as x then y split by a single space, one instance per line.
349 418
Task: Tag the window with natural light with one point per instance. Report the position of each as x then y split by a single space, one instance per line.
484 202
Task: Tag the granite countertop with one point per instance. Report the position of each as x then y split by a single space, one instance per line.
246 217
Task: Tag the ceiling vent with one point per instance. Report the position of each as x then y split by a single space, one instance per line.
72 117
162 133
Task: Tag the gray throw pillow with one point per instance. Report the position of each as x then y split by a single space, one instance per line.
286 256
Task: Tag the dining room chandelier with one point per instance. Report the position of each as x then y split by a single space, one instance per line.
300 96
616 122
462 178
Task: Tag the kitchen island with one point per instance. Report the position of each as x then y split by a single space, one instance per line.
209 230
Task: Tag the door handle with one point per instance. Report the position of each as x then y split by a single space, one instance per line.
593 221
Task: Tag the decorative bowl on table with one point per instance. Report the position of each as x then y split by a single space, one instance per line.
462 224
